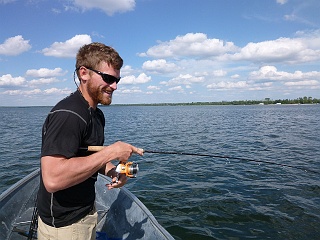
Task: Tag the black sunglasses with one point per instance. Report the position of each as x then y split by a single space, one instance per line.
106 77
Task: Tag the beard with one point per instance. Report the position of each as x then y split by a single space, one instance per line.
98 94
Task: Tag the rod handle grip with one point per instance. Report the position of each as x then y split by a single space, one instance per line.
95 148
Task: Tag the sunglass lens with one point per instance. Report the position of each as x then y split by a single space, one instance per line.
110 79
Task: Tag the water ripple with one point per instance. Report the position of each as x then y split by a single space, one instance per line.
198 197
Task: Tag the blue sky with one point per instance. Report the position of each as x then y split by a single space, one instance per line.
173 50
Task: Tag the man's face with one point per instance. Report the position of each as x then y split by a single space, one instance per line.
99 90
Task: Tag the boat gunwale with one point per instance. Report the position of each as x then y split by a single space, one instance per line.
5 197
18 184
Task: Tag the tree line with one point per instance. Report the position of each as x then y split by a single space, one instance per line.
266 101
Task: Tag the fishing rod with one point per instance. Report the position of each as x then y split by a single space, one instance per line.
230 157
98 148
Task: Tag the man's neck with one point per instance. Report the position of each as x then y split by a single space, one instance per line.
87 97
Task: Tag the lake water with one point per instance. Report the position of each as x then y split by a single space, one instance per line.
196 197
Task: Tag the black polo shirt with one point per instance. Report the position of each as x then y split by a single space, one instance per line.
70 125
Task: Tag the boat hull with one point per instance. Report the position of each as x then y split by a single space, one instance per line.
121 215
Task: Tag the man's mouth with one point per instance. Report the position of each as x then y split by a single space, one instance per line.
106 91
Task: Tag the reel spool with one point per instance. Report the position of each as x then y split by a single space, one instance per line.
130 169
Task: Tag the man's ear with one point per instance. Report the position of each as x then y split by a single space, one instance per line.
84 74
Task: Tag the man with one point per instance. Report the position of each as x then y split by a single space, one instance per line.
67 193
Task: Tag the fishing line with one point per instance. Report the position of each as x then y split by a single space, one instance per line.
229 157
98 148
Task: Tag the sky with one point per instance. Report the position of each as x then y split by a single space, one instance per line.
174 51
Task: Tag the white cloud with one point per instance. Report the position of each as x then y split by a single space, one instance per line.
304 83
8 80
56 10
282 1
191 44
159 66
290 17
153 88
127 70
43 81
37 91
142 78
296 50
270 51
6 1
185 79
235 76
219 73
68 48
293 17
14 46
58 91
272 73
197 47
177 89
304 12
132 90
228 85
45 72
23 92
204 53
108 6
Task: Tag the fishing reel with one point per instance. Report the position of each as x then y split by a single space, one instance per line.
129 168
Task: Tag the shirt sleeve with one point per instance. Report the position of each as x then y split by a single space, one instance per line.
62 134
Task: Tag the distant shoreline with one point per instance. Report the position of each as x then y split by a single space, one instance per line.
267 101
177 104
204 104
